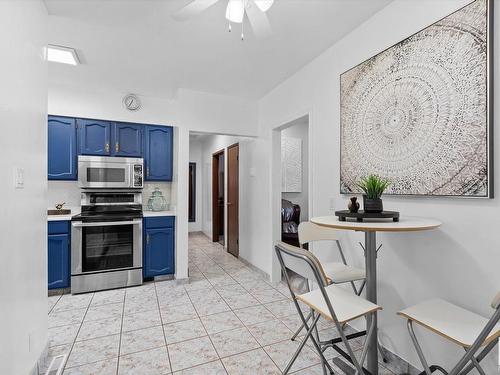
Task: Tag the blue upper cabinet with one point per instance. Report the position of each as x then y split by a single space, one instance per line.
127 139
94 137
61 139
158 157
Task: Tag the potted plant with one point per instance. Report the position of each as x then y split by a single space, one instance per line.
373 187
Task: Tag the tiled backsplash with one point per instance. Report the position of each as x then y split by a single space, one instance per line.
68 191
63 191
165 188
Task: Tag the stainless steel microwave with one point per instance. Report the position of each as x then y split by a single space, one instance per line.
110 172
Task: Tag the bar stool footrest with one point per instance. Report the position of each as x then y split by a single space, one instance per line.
339 339
346 368
435 368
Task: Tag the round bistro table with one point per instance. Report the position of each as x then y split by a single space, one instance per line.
370 228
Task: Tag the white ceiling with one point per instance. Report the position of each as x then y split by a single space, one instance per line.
135 46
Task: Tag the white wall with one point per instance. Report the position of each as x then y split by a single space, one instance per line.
459 261
23 223
195 157
192 110
300 129
255 200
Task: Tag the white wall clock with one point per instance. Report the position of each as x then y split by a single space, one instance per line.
132 102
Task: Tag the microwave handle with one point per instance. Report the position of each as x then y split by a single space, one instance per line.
106 223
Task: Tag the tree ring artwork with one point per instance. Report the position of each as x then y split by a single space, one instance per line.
417 113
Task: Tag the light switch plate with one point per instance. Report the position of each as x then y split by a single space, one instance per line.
18 178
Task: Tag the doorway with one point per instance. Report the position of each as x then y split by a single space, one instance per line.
233 152
218 197
291 176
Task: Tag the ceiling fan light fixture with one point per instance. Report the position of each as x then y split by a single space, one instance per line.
235 11
264 5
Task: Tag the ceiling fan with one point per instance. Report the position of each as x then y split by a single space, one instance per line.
255 11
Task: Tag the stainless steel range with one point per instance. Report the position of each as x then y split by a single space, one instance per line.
106 240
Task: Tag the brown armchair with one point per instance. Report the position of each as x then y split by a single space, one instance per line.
290 219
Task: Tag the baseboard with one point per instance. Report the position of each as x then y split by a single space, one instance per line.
44 355
394 363
398 365
254 268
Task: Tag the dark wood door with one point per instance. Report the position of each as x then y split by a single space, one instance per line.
233 200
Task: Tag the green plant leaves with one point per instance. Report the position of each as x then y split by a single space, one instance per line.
373 186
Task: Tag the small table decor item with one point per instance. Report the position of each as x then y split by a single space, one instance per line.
361 215
353 205
373 187
157 201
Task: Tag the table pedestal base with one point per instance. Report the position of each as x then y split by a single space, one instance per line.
371 295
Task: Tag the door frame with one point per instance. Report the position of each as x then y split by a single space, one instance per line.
237 203
192 195
216 224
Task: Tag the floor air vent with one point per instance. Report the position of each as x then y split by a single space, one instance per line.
57 365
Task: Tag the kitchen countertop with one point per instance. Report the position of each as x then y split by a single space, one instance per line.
76 211
157 213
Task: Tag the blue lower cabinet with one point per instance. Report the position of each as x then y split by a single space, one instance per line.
58 255
159 249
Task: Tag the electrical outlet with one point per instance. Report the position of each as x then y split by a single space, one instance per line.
18 178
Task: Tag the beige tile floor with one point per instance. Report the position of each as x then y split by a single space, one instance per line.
226 320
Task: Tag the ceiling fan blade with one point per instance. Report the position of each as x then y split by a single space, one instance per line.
258 19
193 9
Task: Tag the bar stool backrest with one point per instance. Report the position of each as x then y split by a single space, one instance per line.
309 232
307 265
301 262
495 304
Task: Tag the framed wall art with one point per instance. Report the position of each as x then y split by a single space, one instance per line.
291 165
420 112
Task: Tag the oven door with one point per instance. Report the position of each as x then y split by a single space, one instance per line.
106 246
101 174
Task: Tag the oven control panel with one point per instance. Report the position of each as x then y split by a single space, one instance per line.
138 176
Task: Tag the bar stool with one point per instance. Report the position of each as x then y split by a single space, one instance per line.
460 326
330 301
336 272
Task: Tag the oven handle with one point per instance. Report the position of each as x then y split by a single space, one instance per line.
106 223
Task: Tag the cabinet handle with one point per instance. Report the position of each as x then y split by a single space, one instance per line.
106 147
117 147
147 239
147 171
